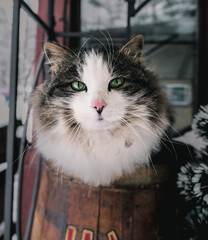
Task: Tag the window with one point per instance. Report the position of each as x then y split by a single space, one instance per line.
169 29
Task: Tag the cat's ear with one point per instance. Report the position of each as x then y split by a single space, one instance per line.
55 54
133 49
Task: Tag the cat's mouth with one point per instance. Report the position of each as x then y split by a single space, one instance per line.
100 118
103 124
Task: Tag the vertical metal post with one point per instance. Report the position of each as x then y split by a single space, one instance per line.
10 150
50 20
201 82
75 21
51 34
196 62
129 9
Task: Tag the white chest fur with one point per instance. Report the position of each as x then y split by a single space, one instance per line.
98 157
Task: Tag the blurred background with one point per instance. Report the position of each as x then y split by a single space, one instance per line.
169 28
175 33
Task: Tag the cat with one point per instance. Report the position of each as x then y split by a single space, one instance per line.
102 112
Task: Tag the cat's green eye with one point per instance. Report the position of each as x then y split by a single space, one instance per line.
116 83
78 86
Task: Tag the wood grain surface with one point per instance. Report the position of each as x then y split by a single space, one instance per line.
139 206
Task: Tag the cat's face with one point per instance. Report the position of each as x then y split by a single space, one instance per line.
98 89
102 104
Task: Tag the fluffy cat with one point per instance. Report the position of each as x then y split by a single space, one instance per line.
101 113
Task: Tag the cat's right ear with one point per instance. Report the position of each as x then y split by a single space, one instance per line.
133 49
55 54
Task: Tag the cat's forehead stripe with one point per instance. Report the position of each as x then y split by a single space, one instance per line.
96 68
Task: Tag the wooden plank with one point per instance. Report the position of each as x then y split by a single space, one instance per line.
56 205
41 205
127 215
144 220
166 211
83 208
50 231
29 171
110 218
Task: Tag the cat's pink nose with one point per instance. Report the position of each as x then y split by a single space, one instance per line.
98 104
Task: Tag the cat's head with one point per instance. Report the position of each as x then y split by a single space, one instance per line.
98 89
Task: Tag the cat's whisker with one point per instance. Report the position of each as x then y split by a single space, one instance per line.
174 129
135 132
31 161
163 131
52 132
100 43
43 127
76 135
82 46
20 156
110 39
72 134
162 140
29 145
149 156
73 52
109 45
165 122
45 140
145 120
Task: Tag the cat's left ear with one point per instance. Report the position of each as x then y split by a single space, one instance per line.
55 55
133 49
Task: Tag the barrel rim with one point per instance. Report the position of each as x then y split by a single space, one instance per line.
140 177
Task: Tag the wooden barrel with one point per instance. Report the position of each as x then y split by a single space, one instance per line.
139 206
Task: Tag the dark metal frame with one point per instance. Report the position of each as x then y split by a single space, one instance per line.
10 156
201 83
10 150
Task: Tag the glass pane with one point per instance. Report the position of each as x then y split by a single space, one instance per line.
103 14
169 29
